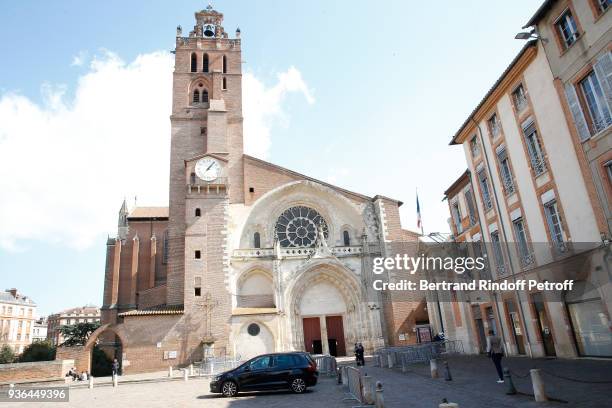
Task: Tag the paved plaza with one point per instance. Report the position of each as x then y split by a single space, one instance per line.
570 383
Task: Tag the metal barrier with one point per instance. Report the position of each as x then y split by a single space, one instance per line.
215 365
417 353
354 384
326 364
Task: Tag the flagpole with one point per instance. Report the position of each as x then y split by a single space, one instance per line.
420 220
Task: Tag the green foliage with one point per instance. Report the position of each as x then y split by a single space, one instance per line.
38 351
7 355
101 364
77 334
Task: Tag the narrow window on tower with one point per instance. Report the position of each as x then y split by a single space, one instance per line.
224 83
198 212
256 240
224 64
192 178
347 238
205 63
194 62
204 96
198 254
196 96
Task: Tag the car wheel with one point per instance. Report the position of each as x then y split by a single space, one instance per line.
229 389
298 385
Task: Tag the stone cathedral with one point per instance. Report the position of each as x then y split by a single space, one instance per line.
249 257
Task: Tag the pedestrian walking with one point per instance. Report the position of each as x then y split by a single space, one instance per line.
115 367
495 349
360 354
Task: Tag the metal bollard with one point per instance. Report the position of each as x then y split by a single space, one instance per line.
538 385
185 374
191 369
91 382
115 381
433 367
339 375
345 375
170 371
404 365
510 389
447 373
390 360
367 389
380 400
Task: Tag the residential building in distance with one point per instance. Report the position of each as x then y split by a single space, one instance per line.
535 198
40 329
84 314
17 315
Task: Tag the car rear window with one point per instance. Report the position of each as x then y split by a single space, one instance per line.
285 360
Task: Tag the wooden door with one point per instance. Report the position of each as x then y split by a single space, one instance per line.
335 332
312 333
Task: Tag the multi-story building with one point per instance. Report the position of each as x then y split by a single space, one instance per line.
531 198
83 314
577 38
40 330
17 316
249 257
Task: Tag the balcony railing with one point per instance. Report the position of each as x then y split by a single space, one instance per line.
295 252
539 165
508 184
527 259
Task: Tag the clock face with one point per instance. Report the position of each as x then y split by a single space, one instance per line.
207 169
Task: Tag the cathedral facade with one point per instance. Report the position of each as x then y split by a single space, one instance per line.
249 257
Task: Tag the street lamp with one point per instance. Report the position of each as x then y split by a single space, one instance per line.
529 35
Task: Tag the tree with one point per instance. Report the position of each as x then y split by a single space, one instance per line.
77 334
7 355
38 351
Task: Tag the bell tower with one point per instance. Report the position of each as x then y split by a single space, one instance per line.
206 124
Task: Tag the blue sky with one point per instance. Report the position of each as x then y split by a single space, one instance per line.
362 94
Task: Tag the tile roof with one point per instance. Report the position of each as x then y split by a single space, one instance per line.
149 212
156 310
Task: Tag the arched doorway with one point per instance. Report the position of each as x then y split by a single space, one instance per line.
103 346
324 309
590 322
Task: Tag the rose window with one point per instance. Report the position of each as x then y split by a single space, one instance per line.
297 227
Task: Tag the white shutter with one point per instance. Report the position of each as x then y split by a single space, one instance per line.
603 71
574 105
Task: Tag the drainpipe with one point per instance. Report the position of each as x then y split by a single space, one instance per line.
503 230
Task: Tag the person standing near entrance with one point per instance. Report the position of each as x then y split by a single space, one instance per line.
495 349
115 367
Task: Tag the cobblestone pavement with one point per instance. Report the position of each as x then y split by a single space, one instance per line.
193 393
474 383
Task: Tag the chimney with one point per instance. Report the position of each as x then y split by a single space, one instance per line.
13 292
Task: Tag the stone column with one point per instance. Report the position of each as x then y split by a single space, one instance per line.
324 343
115 276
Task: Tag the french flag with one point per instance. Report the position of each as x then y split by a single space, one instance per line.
419 223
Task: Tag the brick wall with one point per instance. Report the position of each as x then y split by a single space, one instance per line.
152 297
39 370
80 356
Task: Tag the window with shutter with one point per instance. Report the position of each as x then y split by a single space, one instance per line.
506 173
536 155
577 114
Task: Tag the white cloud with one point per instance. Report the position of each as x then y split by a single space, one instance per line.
263 107
79 59
66 163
